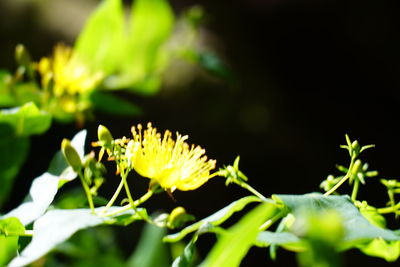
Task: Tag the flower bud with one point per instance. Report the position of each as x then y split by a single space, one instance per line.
71 155
356 148
104 135
178 218
22 56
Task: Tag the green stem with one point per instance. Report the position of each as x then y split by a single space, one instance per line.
114 197
344 179
355 190
252 190
129 206
87 191
271 221
389 209
26 233
126 186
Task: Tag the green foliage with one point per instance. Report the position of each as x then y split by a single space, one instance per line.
131 51
114 52
16 125
357 227
102 38
303 220
56 226
41 195
150 251
188 255
215 219
230 250
26 120
10 230
388 250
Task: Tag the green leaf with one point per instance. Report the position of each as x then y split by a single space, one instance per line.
186 259
45 187
27 120
56 226
388 250
230 250
10 228
101 42
113 105
14 152
150 26
357 228
215 219
150 251
372 215
288 240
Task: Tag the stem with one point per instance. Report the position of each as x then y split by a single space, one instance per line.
271 221
389 209
137 202
344 179
355 190
87 191
114 197
252 190
125 183
26 233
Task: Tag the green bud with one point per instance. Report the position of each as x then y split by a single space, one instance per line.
355 147
178 218
71 155
104 135
22 56
357 167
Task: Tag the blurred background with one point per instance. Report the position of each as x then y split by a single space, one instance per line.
305 73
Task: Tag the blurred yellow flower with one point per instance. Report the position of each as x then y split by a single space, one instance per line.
69 74
173 164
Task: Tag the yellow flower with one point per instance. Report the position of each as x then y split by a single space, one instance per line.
69 74
173 164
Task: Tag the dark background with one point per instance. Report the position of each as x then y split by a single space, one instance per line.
306 73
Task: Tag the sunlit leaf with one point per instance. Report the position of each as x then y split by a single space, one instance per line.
150 26
215 219
287 240
388 250
56 226
101 42
26 120
41 195
230 249
45 187
372 215
357 228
